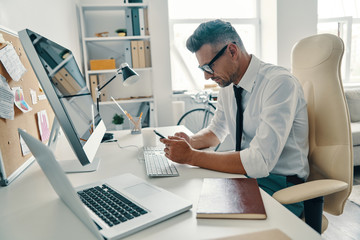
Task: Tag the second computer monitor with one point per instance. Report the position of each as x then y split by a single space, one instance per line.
68 95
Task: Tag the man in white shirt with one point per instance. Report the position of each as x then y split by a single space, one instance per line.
273 142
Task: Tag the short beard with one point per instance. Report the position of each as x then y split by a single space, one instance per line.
223 83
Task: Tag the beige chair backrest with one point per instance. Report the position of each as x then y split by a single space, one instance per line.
316 63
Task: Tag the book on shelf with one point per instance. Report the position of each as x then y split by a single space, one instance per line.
237 198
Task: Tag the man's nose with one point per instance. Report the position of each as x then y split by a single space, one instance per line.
208 75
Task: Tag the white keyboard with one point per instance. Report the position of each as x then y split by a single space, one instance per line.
157 165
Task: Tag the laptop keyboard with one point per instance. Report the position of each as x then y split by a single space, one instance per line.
109 205
157 165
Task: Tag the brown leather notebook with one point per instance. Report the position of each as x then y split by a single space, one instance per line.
230 198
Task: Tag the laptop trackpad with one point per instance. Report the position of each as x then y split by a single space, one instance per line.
141 190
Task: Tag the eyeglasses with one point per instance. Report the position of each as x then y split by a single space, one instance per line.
207 67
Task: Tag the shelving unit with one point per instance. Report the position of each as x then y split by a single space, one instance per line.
108 17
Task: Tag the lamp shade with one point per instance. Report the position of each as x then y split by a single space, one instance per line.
129 75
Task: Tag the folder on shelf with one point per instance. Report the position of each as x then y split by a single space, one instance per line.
145 109
147 53
146 22
135 21
128 20
127 53
135 54
141 50
141 21
102 64
93 85
104 95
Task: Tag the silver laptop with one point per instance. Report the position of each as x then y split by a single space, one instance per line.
128 204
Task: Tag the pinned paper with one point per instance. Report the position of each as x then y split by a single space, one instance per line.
6 100
42 97
33 96
24 148
20 101
11 62
43 122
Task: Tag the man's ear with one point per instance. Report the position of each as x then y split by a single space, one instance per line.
234 50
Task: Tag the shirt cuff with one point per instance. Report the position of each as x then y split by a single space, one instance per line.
253 164
218 131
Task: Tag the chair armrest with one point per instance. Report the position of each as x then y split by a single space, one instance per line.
309 190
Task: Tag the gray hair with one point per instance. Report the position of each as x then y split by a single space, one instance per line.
216 32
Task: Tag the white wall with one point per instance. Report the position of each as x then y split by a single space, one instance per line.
54 19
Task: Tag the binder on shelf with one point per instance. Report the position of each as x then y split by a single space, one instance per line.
103 94
135 21
134 54
128 20
146 22
93 84
127 49
145 109
141 21
147 53
141 50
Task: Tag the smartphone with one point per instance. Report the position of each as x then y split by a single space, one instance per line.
161 136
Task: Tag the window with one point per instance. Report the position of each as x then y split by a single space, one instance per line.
342 18
186 15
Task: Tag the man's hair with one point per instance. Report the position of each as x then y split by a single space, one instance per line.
216 32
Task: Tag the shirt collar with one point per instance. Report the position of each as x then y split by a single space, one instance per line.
248 80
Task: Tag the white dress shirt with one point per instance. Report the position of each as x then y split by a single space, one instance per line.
275 125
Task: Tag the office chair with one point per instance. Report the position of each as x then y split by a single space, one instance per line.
316 62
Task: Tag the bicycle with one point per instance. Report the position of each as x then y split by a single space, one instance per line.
199 118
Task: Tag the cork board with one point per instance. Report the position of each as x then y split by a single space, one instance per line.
12 159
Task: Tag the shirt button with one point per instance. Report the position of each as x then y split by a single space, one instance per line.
243 138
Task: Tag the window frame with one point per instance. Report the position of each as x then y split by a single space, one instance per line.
341 21
238 21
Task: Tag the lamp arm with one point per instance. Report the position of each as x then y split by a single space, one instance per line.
117 73
98 88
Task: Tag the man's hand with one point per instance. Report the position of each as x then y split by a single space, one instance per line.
184 136
178 149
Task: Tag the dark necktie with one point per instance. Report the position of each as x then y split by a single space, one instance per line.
239 117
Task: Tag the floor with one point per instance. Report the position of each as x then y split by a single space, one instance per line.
347 225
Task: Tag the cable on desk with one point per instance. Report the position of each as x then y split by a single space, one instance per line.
140 155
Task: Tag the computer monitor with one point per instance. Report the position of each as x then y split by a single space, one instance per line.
68 95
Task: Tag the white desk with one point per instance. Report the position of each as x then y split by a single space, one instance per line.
30 209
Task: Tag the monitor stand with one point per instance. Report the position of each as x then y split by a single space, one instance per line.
71 165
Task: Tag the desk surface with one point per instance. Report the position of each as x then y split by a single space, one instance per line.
30 209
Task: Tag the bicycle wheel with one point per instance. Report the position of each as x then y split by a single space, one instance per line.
196 119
